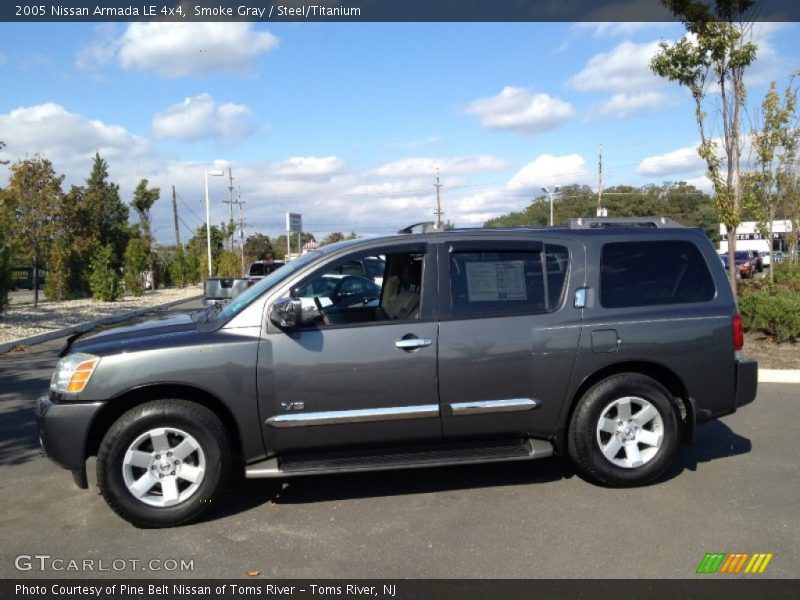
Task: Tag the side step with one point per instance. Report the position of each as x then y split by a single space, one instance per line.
399 458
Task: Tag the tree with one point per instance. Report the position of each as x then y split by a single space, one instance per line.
714 47
143 200
104 278
198 245
258 247
105 212
2 145
180 268
280 243
775 141
136 256
57 284
332 238
27 212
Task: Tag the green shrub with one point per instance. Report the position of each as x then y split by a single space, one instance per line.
59 274
229 264
787 274
774 312
180 269
135 265
5 275
104 281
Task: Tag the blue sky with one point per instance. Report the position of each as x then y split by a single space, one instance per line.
347 123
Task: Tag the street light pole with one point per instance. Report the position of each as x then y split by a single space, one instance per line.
550 195
217 173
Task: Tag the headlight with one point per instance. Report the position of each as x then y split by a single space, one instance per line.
73 373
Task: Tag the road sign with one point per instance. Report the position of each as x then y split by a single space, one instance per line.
294 222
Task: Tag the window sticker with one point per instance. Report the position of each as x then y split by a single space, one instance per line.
491 281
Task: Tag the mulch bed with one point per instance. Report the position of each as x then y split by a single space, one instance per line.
769 354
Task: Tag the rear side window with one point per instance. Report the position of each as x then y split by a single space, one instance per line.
507 282
653 273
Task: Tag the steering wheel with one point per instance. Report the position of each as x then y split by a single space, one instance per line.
325 319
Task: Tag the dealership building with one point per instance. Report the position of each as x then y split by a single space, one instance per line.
749 237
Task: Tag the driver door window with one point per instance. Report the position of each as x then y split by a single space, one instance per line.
389 288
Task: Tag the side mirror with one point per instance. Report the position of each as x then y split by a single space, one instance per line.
285 312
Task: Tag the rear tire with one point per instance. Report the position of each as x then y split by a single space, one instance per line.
624 431
161 463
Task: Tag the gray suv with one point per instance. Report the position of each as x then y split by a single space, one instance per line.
605 343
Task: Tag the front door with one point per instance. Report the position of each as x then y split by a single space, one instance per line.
354 373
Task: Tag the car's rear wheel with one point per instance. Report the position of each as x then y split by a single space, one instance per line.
624 431
161 463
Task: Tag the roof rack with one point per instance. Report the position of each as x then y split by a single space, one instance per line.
603 222
425 227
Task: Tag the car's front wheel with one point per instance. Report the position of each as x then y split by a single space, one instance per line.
161 463
624 431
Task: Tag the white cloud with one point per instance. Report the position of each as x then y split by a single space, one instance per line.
200 117
549 171
67 139
426 167
180 49
625 105
609 29
517 109
625 69
309 166
682 160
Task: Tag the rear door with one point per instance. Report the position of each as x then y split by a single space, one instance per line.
508 336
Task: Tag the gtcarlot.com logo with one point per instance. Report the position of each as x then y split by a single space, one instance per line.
733 563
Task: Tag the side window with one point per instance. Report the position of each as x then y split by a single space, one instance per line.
340 297
653 273
507 282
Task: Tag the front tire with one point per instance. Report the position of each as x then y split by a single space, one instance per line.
161 463
624 431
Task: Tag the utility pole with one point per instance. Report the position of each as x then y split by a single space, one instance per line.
230 207
601 212
175 218
438 212
241 225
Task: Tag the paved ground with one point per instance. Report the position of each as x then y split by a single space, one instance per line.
736 490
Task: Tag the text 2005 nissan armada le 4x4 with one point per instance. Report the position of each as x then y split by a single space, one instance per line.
604 342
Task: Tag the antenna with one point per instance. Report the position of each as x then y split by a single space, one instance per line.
240 202
601 212
230 204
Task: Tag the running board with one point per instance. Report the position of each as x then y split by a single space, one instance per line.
399 458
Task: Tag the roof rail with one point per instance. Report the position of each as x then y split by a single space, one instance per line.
425 227
603 222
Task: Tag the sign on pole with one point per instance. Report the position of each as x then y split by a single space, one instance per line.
294 222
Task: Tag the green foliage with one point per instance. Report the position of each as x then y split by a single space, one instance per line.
787 274
280 243
28 211
104 214
143 200
774 312
679 201
229 264
196 270
198 245
104 280
57 283
258 247
5 274
135 265
180 269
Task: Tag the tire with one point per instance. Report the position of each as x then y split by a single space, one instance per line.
173 454
645 446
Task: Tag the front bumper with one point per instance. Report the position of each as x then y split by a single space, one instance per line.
63 431
746 382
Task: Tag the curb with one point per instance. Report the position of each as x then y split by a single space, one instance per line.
84 327
779 376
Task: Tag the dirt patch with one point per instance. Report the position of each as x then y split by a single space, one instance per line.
769 354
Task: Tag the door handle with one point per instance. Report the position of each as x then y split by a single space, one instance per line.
412 343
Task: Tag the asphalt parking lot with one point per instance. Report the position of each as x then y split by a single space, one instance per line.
736 490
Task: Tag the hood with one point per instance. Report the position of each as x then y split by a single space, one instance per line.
127 334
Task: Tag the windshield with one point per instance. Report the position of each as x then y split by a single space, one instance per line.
253 292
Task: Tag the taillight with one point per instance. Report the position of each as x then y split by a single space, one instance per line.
738 332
